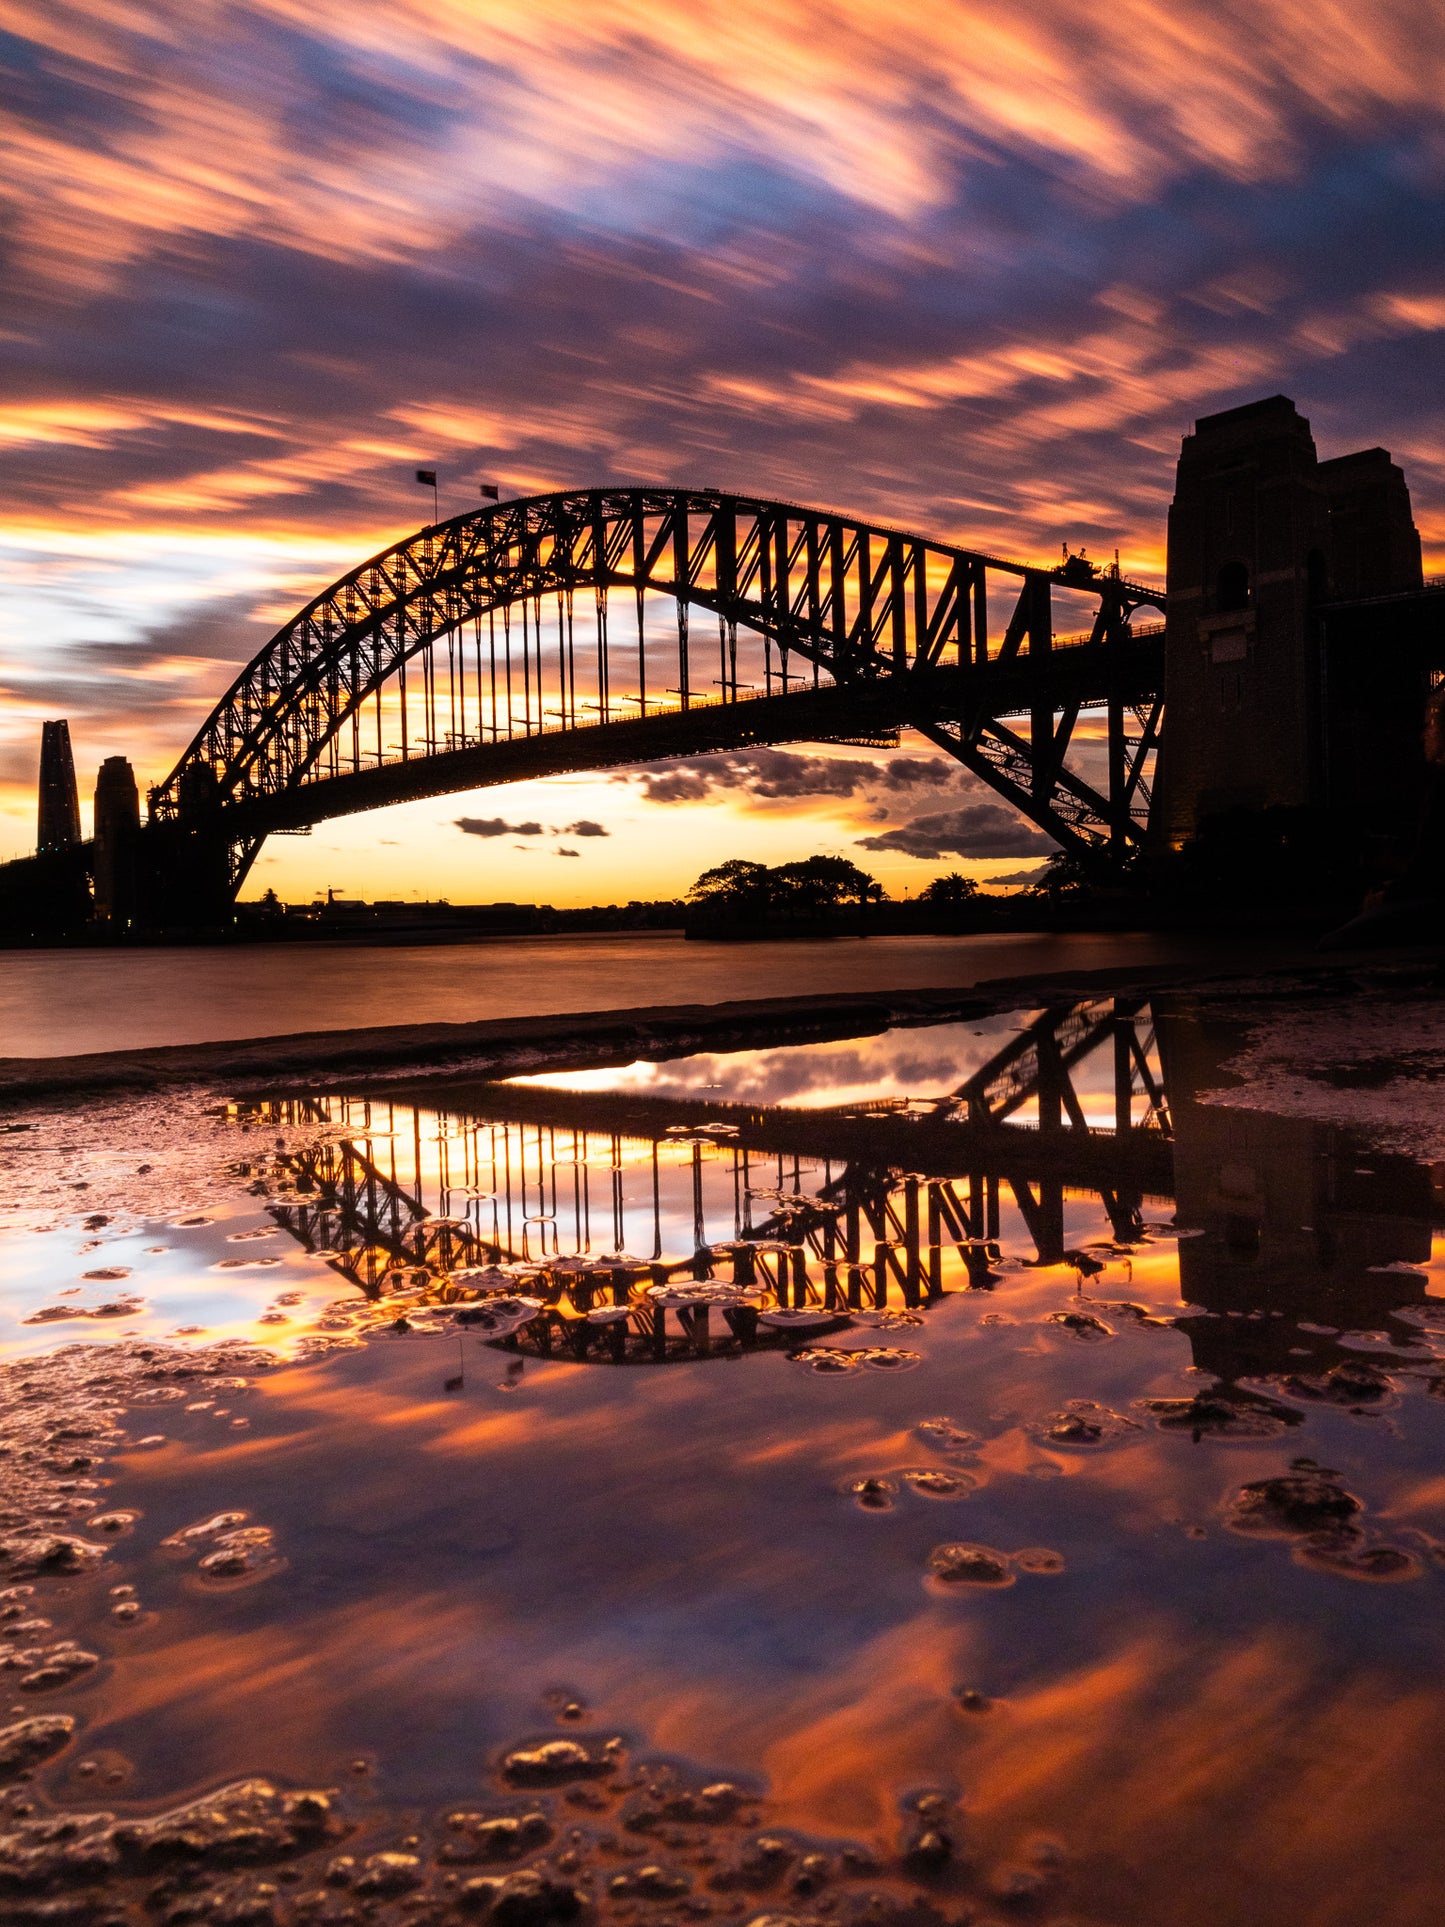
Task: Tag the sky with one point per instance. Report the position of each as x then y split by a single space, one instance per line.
968 269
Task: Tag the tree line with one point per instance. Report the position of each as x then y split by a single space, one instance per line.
820 886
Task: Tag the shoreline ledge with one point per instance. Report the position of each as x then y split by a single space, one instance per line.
514 1046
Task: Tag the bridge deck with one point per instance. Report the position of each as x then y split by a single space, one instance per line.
1072 673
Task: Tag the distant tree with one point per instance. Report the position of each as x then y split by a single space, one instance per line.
950 892
1062 878
820 884
812 888
736 888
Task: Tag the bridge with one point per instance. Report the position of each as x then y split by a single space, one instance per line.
590 629
491 648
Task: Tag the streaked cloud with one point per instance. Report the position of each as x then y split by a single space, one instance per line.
978 829
972 271
487 826
773 775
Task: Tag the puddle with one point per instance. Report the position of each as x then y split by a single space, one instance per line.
961 1477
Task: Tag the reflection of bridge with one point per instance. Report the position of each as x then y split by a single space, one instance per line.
489 649
519 1173
860 1206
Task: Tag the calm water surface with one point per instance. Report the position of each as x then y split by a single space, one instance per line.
54 1002
1100 1505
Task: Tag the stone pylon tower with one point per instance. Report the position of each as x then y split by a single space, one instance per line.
59 825
1263 537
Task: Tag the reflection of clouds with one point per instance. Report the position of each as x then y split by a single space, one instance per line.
897 1064
912 1064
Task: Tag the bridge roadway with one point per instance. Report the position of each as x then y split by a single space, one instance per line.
1071 675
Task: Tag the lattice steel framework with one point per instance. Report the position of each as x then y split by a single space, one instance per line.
861 629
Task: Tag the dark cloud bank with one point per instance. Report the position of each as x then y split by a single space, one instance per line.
976 830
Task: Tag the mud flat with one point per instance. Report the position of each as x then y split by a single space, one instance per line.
640 1497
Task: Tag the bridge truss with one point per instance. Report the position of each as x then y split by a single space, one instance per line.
491 648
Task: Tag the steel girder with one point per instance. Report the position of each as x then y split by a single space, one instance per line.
900 621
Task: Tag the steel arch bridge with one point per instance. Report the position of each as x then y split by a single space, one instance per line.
483 650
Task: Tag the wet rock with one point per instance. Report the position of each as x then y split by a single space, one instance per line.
812 1873
930 1852
1082 1324
1291 1505
1038 1559
652 1882
1084 1422
971 1700
389 1874
944 1436
969 1565
114 1522
931 1484
248 1822
230 1548
931 1834
874 1495
1355 1381
1014 1885
828 1358
29 1743
245 1554
1384 1565
759 1862
661 1803
552 1763
535 1897
505 1837
1221 1414
48 1555
58 1666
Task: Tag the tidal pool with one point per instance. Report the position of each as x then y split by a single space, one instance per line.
960 1476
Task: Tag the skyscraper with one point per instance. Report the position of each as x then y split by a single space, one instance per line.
59 826
117 832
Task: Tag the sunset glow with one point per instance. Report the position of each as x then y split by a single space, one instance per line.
971 272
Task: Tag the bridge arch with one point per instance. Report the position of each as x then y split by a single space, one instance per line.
454 659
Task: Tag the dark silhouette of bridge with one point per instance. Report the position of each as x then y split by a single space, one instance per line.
591 629
461 657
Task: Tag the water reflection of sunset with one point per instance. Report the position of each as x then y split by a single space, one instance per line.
1085 1520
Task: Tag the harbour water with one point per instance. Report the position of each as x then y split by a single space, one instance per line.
963 1475
55 1002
